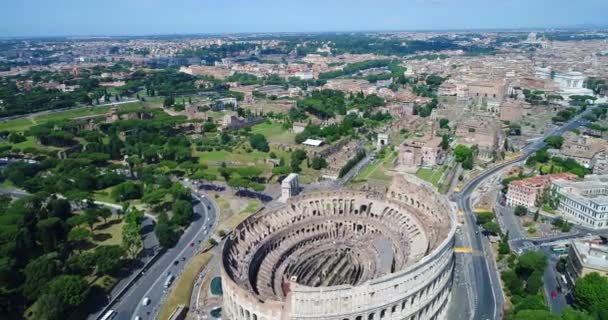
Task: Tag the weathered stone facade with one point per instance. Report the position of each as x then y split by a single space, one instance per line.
344 255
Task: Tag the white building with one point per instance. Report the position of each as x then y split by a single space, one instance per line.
571 83
382 140
304 75
543 73
585 257
584 202
223 103
289 187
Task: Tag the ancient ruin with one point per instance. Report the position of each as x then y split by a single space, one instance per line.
344 255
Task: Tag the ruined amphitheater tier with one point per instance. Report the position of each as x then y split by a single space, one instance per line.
344 256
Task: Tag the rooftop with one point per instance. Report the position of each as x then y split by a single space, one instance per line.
592 255
312 142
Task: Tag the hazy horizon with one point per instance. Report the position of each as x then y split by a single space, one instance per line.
71 18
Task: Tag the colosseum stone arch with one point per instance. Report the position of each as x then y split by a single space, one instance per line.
344 255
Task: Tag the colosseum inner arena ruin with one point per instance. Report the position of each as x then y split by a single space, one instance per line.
345 255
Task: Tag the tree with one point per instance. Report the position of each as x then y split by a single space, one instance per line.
513 282
571 314
445 142
591 293
554 142
104 213
503 247
8 273
59 208
108 259
443 123
51 231
38 273
521 211
79 235
319 163
492 228
132 240
534 282
484 217
528 302
529 262
169 101
179 192
462 152
90 217
164 231
15 138
50 307
536 215
514 129
182 213
81 264
535 315
467 164
127 191
64 294
280 171
296 159
258 141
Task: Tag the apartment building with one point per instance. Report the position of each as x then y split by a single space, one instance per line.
527 192
584 202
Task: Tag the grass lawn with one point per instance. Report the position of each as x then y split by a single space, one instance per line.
105 282
235 219
274 132
110 233
222 203
377 170
30 142
69 114
237 156
181 293
6 184
431 175
104 195
21 124
548 209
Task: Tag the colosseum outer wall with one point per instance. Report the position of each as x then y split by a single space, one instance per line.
419 291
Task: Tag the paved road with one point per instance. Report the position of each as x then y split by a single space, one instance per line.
356 169
489 298
486 285
558 302
152 283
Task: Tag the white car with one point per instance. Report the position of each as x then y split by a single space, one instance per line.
145 301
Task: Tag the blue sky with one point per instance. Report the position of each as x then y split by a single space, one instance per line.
142 17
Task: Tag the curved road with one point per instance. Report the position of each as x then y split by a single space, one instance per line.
152 283
489 298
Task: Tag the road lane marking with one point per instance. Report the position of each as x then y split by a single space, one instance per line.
180 254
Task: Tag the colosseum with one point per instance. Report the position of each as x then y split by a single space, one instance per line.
345 255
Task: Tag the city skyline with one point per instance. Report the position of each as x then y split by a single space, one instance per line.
160 17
